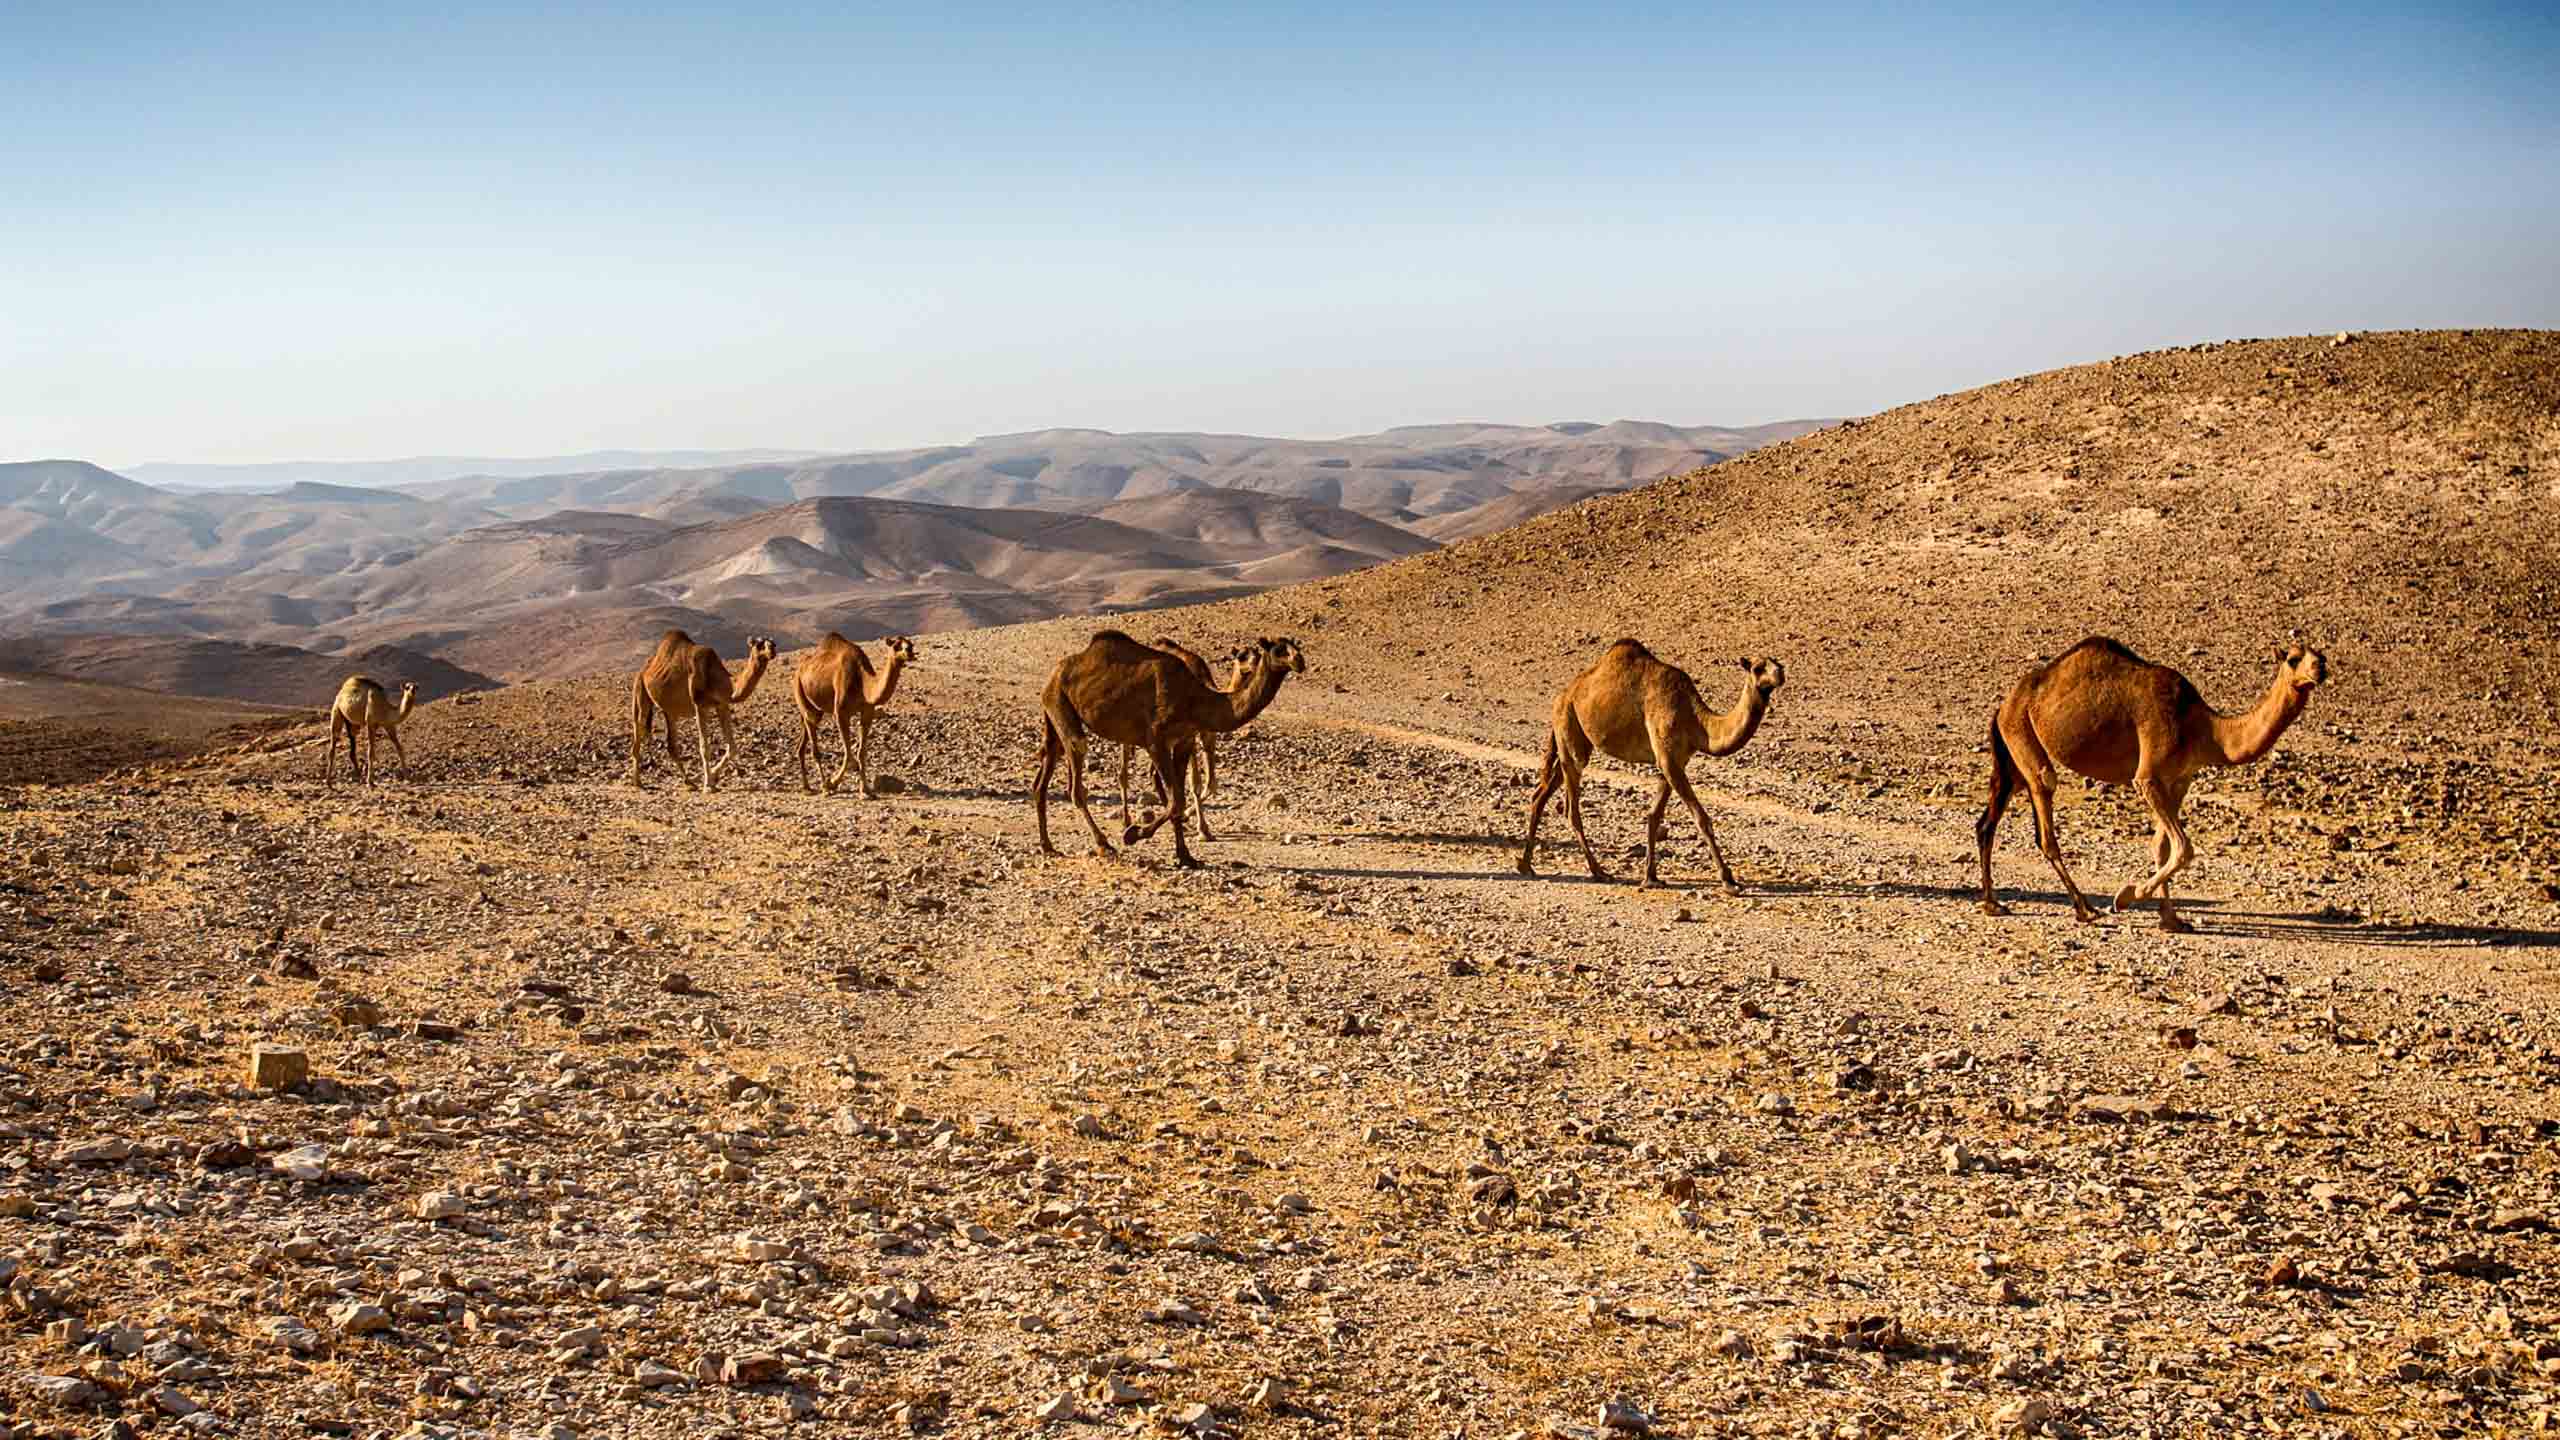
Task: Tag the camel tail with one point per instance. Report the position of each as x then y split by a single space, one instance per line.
2004 783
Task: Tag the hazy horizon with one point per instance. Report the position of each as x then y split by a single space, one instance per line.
464 231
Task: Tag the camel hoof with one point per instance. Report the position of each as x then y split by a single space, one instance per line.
2124 899
1994 907
2175 926
1527 869
1131 836
2085 915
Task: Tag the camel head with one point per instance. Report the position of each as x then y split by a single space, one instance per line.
901 648
2303 668
1282 653
1766 675
408 697
760 648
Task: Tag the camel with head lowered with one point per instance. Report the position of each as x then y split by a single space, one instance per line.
363 708
1633 707
684 680
838 679
1204 760
1131 694
2119 719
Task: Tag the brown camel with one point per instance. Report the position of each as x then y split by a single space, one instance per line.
1132 694
839 679
1204 761
2117 718
684 679
1632 707
364 708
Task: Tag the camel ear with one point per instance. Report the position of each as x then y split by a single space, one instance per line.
1742 660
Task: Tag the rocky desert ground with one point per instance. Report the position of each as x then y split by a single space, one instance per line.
596 1110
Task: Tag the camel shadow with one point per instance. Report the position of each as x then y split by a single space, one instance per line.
2339 930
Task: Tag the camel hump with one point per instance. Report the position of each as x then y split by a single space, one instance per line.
675 637
2107 646
1628 647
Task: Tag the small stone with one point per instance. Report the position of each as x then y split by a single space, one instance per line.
2280 1274
1624 1418
1061 1406
437 1030
650 1375
441 1205
354 1318
1116 1391
170 1400
751 1369
2025 1414
1774 1103
1272 1394
304 1162
277 1067
757 1248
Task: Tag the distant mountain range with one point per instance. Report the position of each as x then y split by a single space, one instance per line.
424 469
504 574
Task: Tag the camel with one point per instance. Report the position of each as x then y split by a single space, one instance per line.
364 708
1133 694
1635 708
684 679
839 679
1204 761
2117 718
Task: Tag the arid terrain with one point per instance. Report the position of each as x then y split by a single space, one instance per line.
650 1113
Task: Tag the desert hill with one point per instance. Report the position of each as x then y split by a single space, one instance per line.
550 570
268 675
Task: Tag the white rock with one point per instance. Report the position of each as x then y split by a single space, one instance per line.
441 1205
304 1162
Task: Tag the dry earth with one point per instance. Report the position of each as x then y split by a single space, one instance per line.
1357 1131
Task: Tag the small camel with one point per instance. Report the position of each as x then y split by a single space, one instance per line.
2117 718
363 708
839 679
1635 708
1204 761
684 679
1132 694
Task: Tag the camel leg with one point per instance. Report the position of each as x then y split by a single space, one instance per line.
808 746
702 748
2165 804
1171 772
2040 796
1082 794
329 763
398 750
728 737
1206 783
1573 812
1125 752
1199 802
862 767
2004 783
1706 827
1042 769
844 741
1653 833
372 750
641 725
1550 774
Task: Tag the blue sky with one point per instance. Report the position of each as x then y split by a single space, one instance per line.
309 233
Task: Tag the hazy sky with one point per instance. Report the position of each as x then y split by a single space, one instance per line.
335 234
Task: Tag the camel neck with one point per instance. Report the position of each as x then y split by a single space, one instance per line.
1235 709
2245 738
1733 729
887 679
748 683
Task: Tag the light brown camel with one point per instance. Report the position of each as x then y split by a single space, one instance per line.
2117 718
363 708
839 679
684 679
1204 760
1132 694
1633 707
